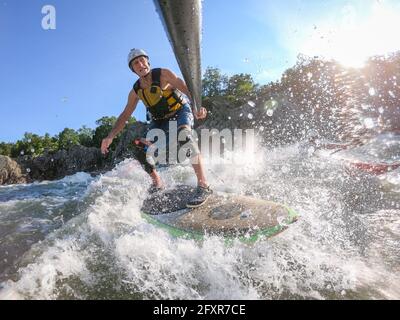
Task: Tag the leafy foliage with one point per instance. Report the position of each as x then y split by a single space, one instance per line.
67 138
237 89
214 83
34 145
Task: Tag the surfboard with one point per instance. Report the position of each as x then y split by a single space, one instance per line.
228 215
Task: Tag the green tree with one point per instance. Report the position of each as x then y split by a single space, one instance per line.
106 121
85 135
5 149
50 144
241 87
214 82
32 145
104 126
67 138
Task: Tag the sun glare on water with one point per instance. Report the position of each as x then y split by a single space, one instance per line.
355 36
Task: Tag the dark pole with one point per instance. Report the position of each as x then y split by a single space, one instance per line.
182 23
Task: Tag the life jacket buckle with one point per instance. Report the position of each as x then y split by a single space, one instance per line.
153 90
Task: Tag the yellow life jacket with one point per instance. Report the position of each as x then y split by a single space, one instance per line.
162 104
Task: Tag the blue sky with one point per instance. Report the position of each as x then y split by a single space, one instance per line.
77 73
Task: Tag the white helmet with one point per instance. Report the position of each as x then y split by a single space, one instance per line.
136 53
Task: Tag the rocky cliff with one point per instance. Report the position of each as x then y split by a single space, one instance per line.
62 163
11 172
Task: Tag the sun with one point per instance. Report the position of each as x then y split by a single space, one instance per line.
357 36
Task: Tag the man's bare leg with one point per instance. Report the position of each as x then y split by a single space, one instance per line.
198 167
157 182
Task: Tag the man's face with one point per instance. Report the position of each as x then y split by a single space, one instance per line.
141 66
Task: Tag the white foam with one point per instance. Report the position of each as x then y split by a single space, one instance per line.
314 258
39 280
79 177
163 268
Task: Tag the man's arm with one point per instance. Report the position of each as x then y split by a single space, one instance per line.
121 121
175 82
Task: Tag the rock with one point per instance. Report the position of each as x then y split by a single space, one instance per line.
63 163
10 171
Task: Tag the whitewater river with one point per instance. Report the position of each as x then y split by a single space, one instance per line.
83 237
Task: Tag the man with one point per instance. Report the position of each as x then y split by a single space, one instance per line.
161 92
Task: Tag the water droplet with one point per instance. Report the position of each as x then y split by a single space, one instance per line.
32 150
229 118
381 110
22 152
270 112
309 75
261 128
369 123
285 169
251 104
392 94
28 170
241 115
250 116
371 91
